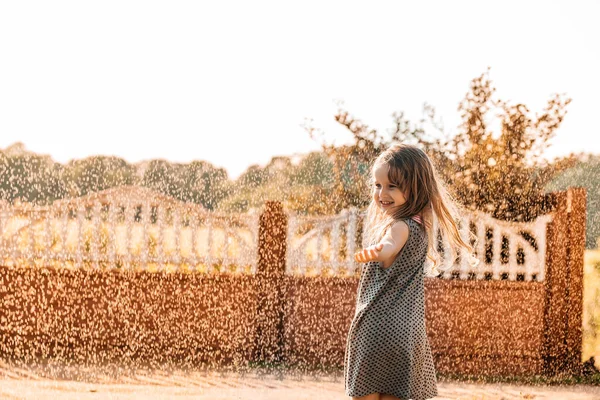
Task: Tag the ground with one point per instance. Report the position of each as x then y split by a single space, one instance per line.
77 383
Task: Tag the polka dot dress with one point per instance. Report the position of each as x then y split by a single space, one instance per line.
387 349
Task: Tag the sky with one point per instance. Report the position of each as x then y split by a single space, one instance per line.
233 82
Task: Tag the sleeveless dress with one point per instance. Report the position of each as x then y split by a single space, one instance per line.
387 349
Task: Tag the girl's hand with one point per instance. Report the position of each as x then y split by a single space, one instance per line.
369 254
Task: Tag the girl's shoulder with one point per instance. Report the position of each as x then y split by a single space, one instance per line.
399 227
400 231
409 222
402 228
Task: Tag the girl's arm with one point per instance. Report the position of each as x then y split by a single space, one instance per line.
390 245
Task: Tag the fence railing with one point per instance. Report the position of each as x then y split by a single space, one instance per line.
316 244
506 250
132 227
509 250
126 233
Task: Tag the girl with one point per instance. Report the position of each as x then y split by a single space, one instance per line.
387 353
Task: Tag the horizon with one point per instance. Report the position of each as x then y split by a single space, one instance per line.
294 158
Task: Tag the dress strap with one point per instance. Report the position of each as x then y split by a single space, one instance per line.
417 218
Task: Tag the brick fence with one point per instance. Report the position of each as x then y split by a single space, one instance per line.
481 327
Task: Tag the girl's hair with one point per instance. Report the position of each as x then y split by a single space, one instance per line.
412 172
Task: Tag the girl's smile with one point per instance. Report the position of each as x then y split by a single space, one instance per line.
385 193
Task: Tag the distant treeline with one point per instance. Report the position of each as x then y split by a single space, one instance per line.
502 173
307 187
29 177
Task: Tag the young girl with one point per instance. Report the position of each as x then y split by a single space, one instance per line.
387 353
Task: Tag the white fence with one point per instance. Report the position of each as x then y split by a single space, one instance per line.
323 243
129 228
136 228
506 250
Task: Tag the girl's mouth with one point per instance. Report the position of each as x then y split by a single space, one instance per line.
386 203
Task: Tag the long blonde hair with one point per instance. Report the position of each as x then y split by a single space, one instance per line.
411 170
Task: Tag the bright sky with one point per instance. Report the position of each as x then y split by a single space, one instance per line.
232 82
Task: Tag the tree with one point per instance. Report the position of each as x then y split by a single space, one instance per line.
350 165
312 183
502 175
200 182
585 173
313 169
97 173
305 188
259 184
29 177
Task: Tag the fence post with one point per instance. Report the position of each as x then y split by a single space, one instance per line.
564 282
270 272
576 206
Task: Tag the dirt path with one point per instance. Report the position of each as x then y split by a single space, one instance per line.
19 383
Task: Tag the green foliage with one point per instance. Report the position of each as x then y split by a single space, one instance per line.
203 184
29 177
254 177
160 175
258 185
314 169
305 188
198 182
97 173
504 175
501 174
585 173
350 165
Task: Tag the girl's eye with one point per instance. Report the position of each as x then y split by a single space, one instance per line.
377 185
392 186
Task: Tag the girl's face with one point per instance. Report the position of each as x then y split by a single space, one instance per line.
387 195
